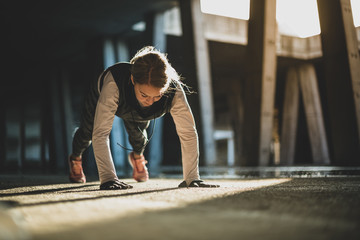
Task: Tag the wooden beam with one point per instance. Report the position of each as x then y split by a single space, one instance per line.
290 118
314 116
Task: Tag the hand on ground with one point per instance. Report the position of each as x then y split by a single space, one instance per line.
198 183
115 185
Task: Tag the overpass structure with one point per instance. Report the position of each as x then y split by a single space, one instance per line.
263 99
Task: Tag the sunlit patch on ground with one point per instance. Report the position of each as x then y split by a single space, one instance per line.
50 208
271 208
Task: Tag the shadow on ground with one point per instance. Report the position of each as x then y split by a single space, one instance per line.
313 208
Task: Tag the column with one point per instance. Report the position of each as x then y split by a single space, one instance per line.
155 148
290 118
260 82
342 80
199 66
314 116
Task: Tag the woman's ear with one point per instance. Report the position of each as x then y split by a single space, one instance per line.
132 79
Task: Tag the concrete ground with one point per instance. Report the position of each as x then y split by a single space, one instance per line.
257 208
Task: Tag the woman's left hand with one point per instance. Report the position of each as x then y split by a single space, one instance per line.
198 184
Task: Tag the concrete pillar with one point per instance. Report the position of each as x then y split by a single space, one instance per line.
353 56
290 118
68 112
109 54
260 82
341 63
45 126
122 51
2 127
159 38
190 75
236 106
303 79
57 147
156 150
22 142
314 116
193 33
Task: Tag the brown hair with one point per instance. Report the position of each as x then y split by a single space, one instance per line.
150 66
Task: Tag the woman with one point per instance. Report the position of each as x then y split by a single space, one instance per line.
139 91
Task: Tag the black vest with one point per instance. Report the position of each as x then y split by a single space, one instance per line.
129 108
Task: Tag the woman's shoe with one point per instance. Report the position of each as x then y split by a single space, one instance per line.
76 171
140 171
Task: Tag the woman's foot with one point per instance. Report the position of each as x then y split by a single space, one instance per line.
76 171
140 171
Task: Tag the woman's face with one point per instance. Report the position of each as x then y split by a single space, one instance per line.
147 94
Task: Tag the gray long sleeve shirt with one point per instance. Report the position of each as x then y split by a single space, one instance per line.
106 109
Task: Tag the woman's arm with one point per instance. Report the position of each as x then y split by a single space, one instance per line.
104 117
186 130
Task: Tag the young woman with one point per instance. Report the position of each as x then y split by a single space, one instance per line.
139 91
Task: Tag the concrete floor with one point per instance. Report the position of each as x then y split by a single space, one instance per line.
263 208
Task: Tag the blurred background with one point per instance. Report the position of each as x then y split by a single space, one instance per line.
277 82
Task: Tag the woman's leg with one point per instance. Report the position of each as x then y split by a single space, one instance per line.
137 135
138 140
82 137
